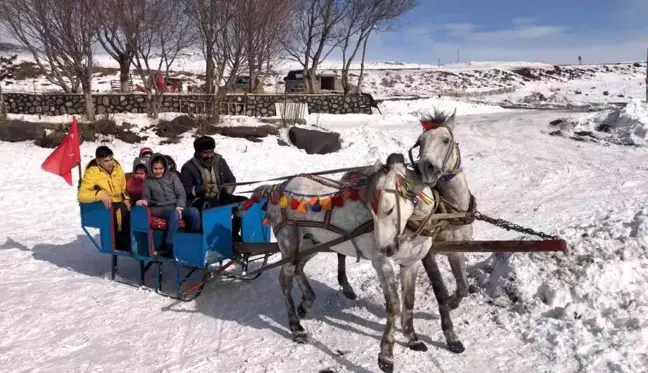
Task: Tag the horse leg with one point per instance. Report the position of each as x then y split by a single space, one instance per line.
385 269
441 294
408 282
347 290
308 295
458 266
286 279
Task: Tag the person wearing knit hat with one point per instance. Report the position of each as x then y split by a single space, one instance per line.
143 158
203 177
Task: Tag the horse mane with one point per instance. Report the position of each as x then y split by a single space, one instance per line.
264 190
437 116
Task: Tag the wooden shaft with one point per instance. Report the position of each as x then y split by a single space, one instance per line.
453 215
500 246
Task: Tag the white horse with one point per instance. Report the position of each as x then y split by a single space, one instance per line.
306 210
439 166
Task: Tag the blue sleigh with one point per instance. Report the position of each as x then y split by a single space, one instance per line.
210 252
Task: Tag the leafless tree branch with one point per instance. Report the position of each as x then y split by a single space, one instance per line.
161 34
361 19
60 36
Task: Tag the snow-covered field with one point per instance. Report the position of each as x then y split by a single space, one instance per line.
584 311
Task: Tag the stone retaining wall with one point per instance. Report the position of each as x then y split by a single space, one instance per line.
234 104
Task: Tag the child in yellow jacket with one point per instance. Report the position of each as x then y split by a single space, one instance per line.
104 180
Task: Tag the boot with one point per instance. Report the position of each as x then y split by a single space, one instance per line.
236 229
166 250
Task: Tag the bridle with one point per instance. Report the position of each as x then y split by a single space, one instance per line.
445 175
404 189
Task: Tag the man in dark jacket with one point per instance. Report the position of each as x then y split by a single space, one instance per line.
203 177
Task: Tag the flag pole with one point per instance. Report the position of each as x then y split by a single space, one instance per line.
79 165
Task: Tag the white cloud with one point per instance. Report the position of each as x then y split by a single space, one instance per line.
533 32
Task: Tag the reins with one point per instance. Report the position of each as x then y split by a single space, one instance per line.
281 178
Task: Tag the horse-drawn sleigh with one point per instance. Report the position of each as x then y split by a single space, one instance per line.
385 213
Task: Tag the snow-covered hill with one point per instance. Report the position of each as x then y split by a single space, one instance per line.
494 82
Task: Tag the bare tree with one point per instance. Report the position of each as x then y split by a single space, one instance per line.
219 28
162 33
360 20
266 23
118 21
59 34
314 34
6 72
208 21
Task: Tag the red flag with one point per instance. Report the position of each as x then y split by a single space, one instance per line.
66 156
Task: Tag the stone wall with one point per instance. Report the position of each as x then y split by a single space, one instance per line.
234 104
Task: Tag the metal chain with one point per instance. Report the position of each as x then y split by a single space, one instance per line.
512 226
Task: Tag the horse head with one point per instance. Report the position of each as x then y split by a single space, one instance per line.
392 196
439 153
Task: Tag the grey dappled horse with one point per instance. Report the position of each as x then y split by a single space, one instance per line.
439 165
385 247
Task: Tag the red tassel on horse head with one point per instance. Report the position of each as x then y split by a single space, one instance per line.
429 125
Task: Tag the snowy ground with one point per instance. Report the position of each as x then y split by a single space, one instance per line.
580 312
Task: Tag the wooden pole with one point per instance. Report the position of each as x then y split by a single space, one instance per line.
646 74
500 246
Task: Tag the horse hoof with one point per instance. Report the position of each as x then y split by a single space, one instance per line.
454 302
472 289
417 346
386 364
350 294
300 337
302 311
456 346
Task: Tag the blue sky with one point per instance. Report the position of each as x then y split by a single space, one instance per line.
554 31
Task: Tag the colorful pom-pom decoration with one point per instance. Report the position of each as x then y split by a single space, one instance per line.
283 202
313 201
326 203
302 207
316 207
354 194
338 200
294 203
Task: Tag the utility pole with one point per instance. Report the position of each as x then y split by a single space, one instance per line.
458 55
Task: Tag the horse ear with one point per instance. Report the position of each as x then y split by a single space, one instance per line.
450 122
395 158
376 166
